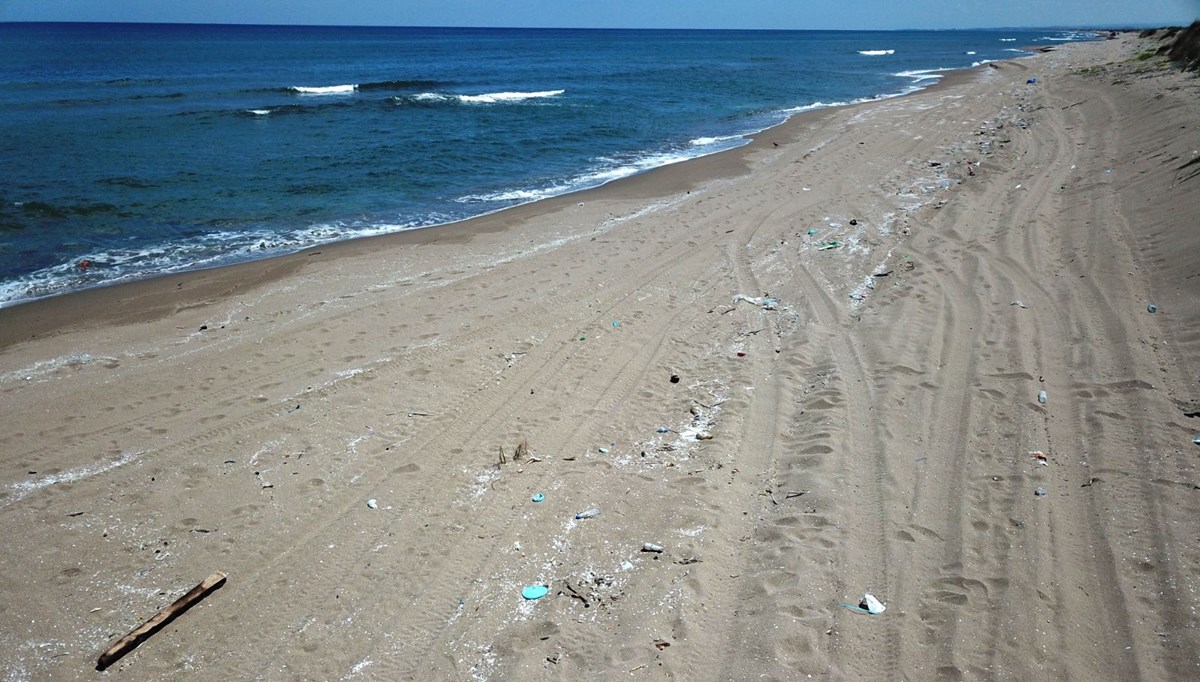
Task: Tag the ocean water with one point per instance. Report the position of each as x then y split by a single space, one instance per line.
130 151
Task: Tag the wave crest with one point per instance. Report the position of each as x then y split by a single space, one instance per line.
876 53
324 89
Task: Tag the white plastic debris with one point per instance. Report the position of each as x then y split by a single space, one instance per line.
651 547
767 302
372 503
871 605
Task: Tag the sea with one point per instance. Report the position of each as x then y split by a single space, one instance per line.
130 151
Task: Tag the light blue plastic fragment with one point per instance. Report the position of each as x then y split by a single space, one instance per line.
535 592
538 497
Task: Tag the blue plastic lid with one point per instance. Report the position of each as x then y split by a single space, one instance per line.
538 497
535 592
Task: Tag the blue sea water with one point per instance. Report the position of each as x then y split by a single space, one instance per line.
141 149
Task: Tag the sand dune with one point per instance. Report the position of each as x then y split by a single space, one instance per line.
935 261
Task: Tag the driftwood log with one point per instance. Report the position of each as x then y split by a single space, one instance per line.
138 635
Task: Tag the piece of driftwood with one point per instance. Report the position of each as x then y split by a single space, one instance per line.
140 634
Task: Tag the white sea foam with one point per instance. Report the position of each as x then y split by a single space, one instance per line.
324 89
714 141
1008 40
922 74
258 112
970 51
498 97
876 53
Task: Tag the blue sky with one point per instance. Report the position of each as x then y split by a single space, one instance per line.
788 14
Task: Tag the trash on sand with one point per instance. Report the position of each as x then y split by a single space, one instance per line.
663 429
1152 308
538 497
616 323
1042 398
871 605
1040 456
603 451
674 378
372 503
1031 81
766 302
651 547
535 592
1196 439
588 513
829 245
812 231
868 605
1039 491
1019 304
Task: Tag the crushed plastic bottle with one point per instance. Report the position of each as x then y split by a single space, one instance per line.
588 513
1042 397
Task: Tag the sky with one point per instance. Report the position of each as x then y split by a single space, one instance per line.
752 14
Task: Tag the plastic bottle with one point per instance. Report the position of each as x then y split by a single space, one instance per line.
1042 397
588 513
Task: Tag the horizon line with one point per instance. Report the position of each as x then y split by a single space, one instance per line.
1064 27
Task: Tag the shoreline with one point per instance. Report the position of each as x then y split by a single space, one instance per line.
158 295
939 349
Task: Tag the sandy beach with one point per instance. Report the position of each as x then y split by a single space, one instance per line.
903 348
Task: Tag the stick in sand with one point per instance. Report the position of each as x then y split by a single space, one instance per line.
130 641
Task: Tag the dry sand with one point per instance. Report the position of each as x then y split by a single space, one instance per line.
870 433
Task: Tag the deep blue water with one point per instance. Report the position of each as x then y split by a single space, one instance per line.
147 149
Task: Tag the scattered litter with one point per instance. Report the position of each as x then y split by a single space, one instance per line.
829 245
1042 397
293 409
1040 456
603 451
651 547
674 378
663 429
766 302
538 497
1152 308
868 605
1039 491
704 435
588 513
1031 81
626 565
1019 304
372 503
661 644
535 592
575 594
616 323
812 231
1196 439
